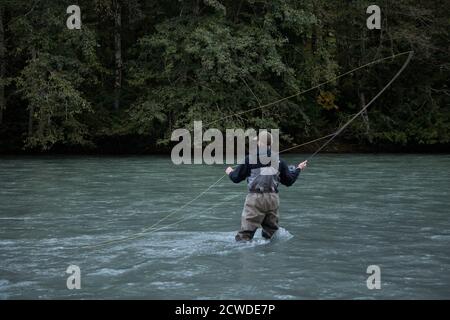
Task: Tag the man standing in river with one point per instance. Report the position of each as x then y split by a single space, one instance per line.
262 201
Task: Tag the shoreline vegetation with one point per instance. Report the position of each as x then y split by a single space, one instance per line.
136 70
336 147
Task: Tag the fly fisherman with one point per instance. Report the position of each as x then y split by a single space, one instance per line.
262 201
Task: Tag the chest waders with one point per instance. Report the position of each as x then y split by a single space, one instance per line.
261 204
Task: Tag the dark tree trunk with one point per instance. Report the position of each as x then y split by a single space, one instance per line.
31 107
314 33
362 96
236 17
2 66
117 53
197 8
30 121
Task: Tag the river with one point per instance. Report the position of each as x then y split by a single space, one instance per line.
345 213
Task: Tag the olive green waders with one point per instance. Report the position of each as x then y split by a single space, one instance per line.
260 210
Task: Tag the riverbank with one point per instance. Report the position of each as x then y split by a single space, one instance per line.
119 147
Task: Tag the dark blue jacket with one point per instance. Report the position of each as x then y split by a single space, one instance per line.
243 171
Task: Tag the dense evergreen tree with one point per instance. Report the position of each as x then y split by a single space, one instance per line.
138 69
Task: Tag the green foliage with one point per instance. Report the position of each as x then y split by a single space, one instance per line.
55 101
213 60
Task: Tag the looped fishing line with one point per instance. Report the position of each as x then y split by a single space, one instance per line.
331 137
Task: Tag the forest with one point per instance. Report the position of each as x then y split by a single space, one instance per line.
137 70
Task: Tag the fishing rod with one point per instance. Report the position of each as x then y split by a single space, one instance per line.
331 137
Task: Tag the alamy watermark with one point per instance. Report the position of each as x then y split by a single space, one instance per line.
374 20
74 20
74 280
190 150
374 280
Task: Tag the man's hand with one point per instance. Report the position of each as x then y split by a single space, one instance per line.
229 170
303 165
